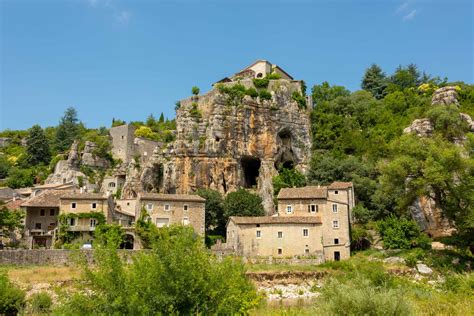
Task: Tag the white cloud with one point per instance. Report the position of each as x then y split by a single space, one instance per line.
401 8
123 16
120 15
410 16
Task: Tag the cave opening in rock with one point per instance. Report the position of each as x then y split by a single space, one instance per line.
285 157
251 171
155 178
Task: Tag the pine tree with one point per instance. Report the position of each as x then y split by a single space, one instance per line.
68 130
375 81
37 146
162 118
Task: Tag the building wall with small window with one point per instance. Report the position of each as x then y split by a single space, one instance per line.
165 213
335 218
301 207
277 240
41 220
83 206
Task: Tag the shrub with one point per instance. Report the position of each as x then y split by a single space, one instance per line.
261 83
399 233
265 95
195 111
300 99
423 241
251 92
273 76
40 302
360 297
178 276
195 90
360 238
362 214
12 299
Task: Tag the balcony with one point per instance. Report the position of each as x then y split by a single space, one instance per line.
81 228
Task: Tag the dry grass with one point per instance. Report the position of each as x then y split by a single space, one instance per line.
43 274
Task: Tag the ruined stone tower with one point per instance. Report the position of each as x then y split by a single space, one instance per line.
225 140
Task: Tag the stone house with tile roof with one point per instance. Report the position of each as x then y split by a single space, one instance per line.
311 221
168 209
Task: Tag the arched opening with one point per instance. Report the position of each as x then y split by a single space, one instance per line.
251 171
127 242
154 178
285 157
259 75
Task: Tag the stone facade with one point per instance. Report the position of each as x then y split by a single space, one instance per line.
168 209
311 221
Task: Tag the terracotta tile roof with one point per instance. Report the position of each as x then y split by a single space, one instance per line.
171 197
275 220
84 196
14 204
340 185
308 192
48 198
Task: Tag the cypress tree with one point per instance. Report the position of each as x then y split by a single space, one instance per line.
375 81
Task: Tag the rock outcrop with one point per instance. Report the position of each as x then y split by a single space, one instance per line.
425 210
224 144
90 159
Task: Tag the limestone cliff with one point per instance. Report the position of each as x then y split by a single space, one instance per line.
224 143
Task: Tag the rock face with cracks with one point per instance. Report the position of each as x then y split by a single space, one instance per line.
225 142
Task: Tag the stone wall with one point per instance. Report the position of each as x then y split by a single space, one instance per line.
55 257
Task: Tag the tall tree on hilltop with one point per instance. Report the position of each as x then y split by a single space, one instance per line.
406 77
375 81
37 146
68 129
326 92
162 118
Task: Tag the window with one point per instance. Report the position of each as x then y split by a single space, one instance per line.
306 251
259 234
93 222
123 137
160 222
38 226
185 220
167 207
51 212
280 251
72 221
94 206
42 212
313 208
289 209
335 224
112 185
73 205
336 241
149 206
334 208
305 232
336 192
258 225
280 234
185 207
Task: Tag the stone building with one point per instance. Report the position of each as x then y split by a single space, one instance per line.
311 221
168 209
126 146
260 69
41 218
225 144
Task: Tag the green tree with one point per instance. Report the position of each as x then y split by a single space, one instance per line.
117 122
20 178
178 276
326 92
405 77
4 166
37 146
242 203
288 178
214 209
162 118
375 81
68 130
195 90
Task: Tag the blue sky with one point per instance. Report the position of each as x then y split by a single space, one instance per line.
127 59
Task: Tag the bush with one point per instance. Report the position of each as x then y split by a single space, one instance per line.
195 90
261 83
423 241
251 92
360 297
265 95
178 276
40 302
360 238
12 299
300 99
400 233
